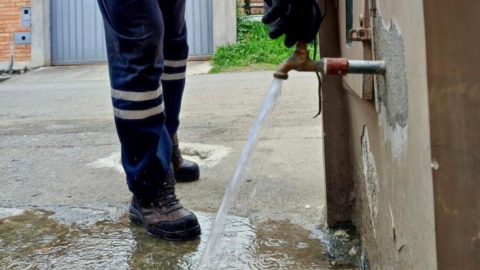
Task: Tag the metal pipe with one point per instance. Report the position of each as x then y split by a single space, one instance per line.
366 67
343 66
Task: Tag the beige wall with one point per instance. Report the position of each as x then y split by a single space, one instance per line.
389 139
414 150
224 22
41 50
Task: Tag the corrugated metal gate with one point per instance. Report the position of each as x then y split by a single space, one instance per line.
77 32
78 35
199 16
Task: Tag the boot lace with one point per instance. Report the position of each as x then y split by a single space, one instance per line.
166 196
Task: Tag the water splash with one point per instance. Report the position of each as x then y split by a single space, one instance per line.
264 115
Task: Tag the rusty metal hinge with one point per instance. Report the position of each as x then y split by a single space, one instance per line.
362 34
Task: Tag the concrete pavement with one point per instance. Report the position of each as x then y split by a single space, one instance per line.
58 145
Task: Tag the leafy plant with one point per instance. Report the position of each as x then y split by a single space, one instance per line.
254 47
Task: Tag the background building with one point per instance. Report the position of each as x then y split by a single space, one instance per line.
70 32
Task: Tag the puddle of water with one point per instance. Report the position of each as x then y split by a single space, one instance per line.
34 239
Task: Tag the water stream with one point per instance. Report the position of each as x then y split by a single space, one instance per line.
264 115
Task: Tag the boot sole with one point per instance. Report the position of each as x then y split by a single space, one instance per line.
184 235
187 178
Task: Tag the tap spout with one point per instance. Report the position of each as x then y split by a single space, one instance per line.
299 61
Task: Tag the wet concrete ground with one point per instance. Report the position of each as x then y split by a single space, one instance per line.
59 162
85 238
41 239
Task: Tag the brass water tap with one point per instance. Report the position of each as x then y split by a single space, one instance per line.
299 61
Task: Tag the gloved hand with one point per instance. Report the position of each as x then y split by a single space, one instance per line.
297 19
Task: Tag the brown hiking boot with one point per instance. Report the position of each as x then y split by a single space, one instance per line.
165 217
185 170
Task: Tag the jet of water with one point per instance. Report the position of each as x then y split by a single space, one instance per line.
261 121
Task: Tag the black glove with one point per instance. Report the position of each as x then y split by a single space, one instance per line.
299 20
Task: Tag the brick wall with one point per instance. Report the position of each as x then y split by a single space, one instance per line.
10 22
257 6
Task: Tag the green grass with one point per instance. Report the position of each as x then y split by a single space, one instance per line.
254 50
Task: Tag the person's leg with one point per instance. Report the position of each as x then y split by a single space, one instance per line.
173 81
134 35
176 53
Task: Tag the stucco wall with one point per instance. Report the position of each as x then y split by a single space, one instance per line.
41 50
224 22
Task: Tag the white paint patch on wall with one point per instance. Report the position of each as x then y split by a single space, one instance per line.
395 136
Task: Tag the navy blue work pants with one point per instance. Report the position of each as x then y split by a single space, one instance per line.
147 52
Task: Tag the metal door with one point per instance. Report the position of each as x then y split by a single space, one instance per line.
199 16
77 32
78 36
